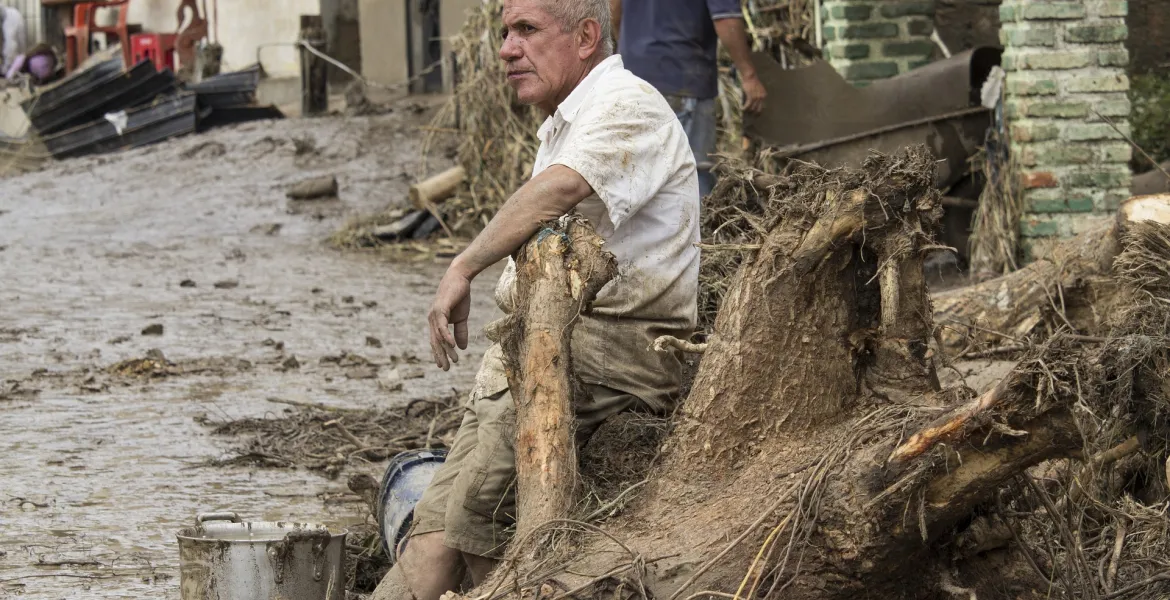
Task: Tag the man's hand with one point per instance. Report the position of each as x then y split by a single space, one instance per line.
452 306
733 33
549 195
753 93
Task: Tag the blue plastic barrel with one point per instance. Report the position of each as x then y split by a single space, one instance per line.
407 477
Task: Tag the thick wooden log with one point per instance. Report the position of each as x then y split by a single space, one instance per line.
435 189
558 273
311 189
1008 309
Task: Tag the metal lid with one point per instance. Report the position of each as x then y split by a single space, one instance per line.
229 528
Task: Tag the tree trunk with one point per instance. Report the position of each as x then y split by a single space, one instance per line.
1070 287
558 274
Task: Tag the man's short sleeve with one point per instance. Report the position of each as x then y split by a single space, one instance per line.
625 147
724 9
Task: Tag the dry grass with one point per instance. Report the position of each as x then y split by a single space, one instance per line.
995 236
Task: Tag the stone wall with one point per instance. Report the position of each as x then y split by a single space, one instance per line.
1066 64
875 39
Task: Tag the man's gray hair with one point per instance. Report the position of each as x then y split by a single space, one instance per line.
571 12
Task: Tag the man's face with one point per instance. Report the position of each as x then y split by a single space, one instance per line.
542 59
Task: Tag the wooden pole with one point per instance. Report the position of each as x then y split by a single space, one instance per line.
314 69
435 189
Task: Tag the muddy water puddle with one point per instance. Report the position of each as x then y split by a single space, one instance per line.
194 254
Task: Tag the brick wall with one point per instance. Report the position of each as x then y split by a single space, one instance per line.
875 39
1064 61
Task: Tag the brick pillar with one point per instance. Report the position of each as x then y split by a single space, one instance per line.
1063 61
875 39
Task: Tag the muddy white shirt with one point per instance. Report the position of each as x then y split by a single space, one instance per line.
622 137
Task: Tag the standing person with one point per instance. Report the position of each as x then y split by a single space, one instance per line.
613 151
15 37
672 45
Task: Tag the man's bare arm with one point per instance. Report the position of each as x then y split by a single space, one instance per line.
615 17
549 195
733 34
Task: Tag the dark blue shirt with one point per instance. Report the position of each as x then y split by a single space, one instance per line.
671 43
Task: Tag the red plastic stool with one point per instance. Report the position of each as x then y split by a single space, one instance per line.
159 48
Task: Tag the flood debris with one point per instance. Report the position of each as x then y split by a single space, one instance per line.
876 478
227 284
154 364
330 439
15 390
153 329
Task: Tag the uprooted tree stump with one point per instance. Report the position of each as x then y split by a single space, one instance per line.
819 457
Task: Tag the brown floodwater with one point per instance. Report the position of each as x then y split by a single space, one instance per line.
98 471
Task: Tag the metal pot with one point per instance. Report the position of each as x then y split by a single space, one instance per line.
222 558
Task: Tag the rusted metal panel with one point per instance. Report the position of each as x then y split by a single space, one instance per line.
814 114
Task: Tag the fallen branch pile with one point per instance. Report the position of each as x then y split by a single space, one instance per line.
323 438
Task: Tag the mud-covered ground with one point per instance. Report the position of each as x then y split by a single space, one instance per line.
102 462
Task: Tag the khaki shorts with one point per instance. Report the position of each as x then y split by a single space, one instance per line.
473 495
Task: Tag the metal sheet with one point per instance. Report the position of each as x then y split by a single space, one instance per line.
230 115
815 103
166 118
127 90
1152 182
952 140
814 114
78 82
245 80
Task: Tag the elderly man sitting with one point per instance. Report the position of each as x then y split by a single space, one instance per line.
613 151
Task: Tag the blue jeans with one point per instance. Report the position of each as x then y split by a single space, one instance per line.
698 121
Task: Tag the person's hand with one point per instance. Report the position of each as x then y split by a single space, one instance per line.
452 306
753 93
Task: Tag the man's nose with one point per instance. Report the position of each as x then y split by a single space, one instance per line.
510 49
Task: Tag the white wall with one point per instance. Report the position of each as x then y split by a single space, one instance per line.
383 36
244 26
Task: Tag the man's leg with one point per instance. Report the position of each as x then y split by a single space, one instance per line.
479 567
426 570
481 505
698 121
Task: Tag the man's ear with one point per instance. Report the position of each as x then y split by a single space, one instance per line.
589 40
